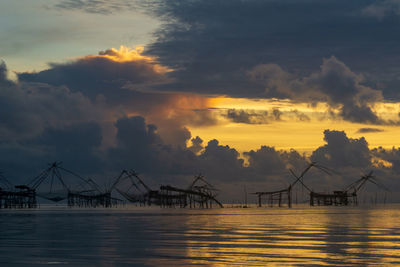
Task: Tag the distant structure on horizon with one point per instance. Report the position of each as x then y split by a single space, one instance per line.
195 196
345 197
57 183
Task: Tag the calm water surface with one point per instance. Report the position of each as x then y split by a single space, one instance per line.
129 236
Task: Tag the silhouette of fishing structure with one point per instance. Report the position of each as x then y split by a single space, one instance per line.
136 191
15 197
52 185
345 197
283 197
195 196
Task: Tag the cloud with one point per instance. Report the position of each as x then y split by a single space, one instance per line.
246 116
268 161
47 120
3 73
75 145
42 123
300 115
369 130
221 162
139 145
342 86
29 108
273 76
387 158
79 136
212 45
334 84
197 145
133 81
341 151
134 133
113 74
97 6
122 81
382 9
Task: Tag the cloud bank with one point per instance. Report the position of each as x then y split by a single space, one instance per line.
48 122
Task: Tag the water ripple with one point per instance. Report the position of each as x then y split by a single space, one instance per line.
242 237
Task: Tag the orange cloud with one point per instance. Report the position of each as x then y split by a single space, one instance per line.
127 54
188 109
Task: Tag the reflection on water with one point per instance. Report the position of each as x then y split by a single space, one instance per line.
154 237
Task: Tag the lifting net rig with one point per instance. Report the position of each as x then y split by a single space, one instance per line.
131 187
5 185
57 183
284 196
12 198
199 194
351 191
15 196
52 184
345 197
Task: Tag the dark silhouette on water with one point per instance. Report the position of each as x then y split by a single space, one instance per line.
135 191
16 197
51 184
284 196
245 197
196 195
55 184
345 197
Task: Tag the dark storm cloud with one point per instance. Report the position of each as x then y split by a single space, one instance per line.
75 145
391 156
81 136
121 81
26 109
196 145
137 144
369 130
95 76
341 151
258 116
140 146
334 84
40 123
342 86
132 83
247 116
212 44
222 156
267 160
133 132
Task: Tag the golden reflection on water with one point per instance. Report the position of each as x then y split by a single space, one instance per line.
309 236
302 236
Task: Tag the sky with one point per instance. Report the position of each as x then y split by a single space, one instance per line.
240 90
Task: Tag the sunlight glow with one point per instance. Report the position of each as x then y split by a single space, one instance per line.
291 130
126 54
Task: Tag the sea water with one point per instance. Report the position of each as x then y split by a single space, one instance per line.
138 236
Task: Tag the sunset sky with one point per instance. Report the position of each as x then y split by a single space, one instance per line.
239 90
